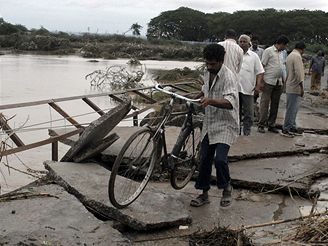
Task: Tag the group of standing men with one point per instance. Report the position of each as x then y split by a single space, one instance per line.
269 71
235 75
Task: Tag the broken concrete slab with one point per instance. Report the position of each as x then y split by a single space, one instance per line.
94 150
293 174
57 219
306 119
98 129
248 208
260 145
89 183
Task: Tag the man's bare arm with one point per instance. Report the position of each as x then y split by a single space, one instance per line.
218 103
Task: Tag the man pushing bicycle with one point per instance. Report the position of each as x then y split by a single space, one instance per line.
220 126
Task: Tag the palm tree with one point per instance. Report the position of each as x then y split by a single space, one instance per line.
135 28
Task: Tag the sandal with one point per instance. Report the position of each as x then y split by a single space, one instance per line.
226 199
199 201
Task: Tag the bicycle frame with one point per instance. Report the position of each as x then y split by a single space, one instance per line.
143 166
159 135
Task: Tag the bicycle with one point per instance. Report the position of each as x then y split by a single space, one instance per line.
140 154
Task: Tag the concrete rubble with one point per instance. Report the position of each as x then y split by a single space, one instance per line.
89 183
53 217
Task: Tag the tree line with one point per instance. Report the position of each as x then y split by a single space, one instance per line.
192 25
165 32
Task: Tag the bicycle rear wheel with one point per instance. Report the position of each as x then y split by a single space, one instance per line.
132 168
185 156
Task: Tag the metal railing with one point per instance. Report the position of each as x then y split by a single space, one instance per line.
184 87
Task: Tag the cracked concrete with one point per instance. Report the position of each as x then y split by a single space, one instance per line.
57 220
260 145
89 183
293 174
248 208
93 134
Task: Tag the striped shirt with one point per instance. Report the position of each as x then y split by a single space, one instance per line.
233 58
221 125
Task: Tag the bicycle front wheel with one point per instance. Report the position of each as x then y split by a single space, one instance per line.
132 168
185 156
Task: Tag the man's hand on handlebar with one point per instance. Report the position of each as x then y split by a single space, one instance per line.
205 101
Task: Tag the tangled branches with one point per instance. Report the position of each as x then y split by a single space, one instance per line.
8 132
116 78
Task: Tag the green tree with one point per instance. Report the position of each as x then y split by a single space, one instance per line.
7 28
182 24
268 24
135 28
41 31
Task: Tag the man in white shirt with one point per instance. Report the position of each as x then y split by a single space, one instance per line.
250 77
234 54
272 85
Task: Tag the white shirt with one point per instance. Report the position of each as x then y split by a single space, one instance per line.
221 125
272 66
234 55
283 58
247 76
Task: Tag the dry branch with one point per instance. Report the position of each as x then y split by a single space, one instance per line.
24 195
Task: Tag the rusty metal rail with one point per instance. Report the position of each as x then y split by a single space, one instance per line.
185 88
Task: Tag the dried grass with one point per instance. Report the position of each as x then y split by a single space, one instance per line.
311 231
219 236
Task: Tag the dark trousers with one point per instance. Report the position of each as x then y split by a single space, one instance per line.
246 113
219 153
270 98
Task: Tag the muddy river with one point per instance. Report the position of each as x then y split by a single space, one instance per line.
25 78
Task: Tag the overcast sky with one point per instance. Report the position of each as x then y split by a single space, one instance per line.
116 16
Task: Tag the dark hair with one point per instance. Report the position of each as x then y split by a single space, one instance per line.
300 45
255 38
230 33
214 52
320 53
282 40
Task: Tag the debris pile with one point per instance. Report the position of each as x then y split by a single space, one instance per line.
312 230
219 236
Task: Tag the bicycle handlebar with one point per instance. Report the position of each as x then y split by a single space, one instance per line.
160 88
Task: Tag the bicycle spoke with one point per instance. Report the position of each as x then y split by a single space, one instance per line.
186 161
132 169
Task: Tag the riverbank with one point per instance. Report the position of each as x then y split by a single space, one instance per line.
101 46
